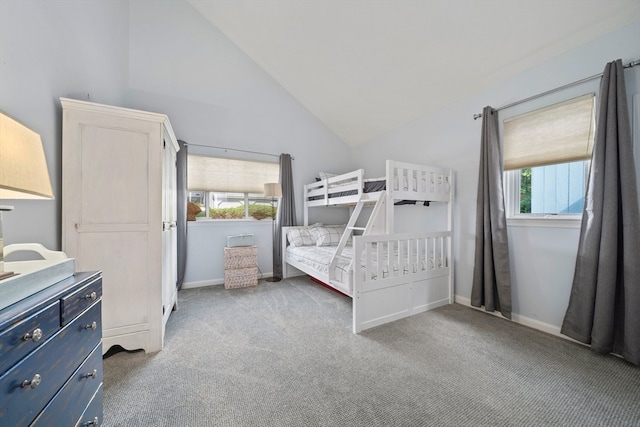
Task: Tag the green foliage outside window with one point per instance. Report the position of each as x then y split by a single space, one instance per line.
237 212
525 190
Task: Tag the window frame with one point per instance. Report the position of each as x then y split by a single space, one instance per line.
511 190
511 178
247 201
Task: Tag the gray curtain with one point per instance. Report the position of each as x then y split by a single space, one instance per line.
491 273
604 306
286 215
182 194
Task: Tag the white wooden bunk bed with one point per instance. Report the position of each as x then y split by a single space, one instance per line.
396 275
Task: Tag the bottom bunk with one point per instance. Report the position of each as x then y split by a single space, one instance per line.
397 275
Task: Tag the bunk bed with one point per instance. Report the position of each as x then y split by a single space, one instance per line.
388 275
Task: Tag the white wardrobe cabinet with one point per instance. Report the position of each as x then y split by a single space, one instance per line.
119 215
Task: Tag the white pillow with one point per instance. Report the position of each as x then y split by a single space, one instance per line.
328 235
302 236
326 175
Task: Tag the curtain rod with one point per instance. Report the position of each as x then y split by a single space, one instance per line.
236 149
586 79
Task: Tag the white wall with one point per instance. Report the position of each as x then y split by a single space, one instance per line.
49 50
542 259
157 56
164 57
215 95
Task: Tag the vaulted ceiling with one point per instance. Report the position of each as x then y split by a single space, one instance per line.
366 67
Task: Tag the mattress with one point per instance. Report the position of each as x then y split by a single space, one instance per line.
319 258
372 186
369 186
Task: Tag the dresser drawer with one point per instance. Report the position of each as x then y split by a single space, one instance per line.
75 303
68 405
94 413
20 339
52 364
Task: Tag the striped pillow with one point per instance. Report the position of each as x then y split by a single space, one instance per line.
302 236
328 235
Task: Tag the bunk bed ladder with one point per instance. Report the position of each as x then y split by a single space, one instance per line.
373 224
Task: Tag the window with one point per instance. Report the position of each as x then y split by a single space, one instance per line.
546 158
230 188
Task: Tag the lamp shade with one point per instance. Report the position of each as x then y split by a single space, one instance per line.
23 167
272 189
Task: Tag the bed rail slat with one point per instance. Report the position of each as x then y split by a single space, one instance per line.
418 182
418 278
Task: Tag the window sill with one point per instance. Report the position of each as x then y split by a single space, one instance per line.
546 221
225 222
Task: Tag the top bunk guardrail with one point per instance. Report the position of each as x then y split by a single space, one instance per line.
337 190
418 182
403 181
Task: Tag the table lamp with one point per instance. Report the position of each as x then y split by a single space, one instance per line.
23 170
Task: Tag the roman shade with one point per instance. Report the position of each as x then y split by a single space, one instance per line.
559 133
229 175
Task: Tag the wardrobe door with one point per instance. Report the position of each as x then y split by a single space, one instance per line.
169 231
112 209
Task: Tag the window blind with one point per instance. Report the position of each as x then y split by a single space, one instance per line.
229 175
559 133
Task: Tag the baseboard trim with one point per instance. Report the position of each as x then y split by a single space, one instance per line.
215 282
202 284
517 318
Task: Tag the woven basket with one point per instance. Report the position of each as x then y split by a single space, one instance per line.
240 257
240 278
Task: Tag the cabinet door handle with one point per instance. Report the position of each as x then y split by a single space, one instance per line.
92 296
93 374
92 326
33 382
33 336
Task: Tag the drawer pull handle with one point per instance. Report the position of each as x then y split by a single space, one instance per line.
33 382
92 326
93 422
34 336
92 296
93 374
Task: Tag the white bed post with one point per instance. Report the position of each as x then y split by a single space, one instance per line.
390 188
377 223
450 226
283 252
306 207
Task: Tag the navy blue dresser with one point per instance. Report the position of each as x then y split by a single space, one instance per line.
51 356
